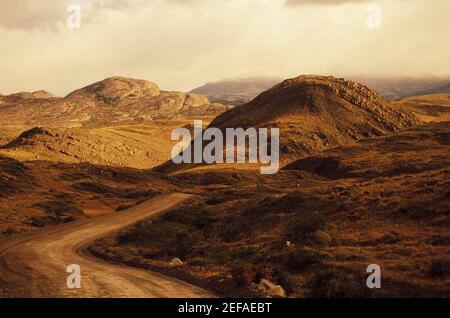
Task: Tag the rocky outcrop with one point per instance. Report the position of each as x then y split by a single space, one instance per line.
271 289
112 91
111 101
176 262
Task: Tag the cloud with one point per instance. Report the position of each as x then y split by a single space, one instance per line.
47 14
295 3
181 45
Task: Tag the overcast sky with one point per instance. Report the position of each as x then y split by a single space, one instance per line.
181 44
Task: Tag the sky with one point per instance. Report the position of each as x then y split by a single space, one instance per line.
182 44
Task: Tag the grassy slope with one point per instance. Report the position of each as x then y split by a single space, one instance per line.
389 206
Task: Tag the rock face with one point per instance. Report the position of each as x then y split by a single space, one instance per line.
113 100
318 112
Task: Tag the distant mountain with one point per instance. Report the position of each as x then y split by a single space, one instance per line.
395 88
113 100
240 91
435 90
236 91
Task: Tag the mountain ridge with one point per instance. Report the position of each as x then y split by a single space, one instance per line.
133 100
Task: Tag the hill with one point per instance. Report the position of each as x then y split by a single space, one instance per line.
316 112
111 101
140 146
313 113
38 194
429 108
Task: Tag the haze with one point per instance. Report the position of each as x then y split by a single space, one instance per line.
183 44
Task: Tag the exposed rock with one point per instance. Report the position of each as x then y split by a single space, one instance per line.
42 94
176 262
272 290
115 89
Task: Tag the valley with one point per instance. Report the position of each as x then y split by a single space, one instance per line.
363 180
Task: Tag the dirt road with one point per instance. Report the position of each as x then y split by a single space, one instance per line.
34 265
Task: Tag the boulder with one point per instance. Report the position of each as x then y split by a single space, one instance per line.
272 290
176 262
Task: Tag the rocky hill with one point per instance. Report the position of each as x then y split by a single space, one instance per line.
317 112
111 101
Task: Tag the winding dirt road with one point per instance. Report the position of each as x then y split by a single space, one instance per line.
34 265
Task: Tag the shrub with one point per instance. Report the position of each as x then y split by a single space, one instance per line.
266 206
198 217
298 202
322 238
243 275
285 280
9 231
293 202
389 238
199 261
437 240
185 243
161 235
124 207
336 284
94 188
234 229
302 258
304 225
222 255
439 267
264 271
58 207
